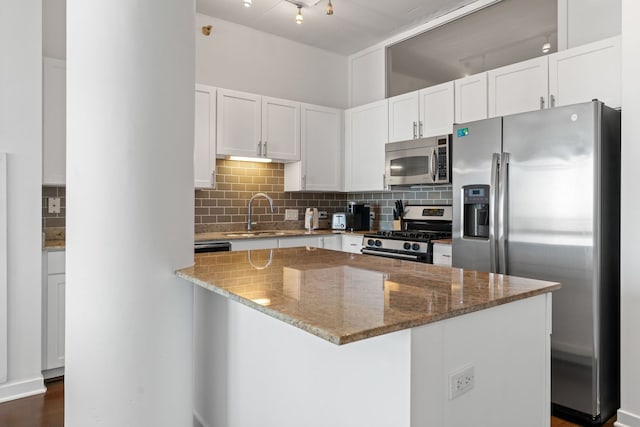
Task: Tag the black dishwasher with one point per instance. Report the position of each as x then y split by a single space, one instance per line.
201 247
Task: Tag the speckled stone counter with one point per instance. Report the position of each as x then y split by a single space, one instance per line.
343 297
265 234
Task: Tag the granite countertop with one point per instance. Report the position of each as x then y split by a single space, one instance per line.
344 297
444 241
267 234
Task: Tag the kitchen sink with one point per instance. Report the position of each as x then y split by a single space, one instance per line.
257 234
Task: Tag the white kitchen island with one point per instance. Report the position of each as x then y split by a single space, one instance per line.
323 338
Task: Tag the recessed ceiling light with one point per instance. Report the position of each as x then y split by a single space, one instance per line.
247 3
546 47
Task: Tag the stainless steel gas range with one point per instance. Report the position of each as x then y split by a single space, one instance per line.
421 225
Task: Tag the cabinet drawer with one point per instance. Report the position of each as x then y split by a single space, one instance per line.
55 262
442 254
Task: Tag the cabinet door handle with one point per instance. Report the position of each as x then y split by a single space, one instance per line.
552 100
213 178
264 149
259 149
415 130
542 102
420 128
446 256
304 182
384 181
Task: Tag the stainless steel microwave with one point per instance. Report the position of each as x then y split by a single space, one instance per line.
418 161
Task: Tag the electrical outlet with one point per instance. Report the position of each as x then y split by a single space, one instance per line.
54 205
291 214
372 215
323 215
461 381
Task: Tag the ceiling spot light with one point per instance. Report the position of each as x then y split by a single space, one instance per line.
247 3
329 8
546 47
299 17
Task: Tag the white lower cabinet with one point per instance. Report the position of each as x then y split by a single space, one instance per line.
248 244
53 313
294 242
333 242
352 243
442 254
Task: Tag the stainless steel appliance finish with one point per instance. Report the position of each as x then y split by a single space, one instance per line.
214 246
421 161
553 178
339 221
421 225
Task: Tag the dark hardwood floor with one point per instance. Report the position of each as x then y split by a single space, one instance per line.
47 410
43 410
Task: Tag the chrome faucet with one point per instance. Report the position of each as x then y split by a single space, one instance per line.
269 199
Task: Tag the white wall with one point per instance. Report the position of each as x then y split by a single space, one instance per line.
241 58
130 102
21 138
629 415
585 21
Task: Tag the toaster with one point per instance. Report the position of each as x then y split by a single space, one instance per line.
339 221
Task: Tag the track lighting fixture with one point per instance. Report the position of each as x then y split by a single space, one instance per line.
329 8
299 17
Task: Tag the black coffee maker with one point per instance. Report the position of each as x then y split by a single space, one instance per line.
358 217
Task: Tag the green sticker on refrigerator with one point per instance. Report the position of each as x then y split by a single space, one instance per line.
463 132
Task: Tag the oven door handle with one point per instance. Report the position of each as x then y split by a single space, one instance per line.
390 254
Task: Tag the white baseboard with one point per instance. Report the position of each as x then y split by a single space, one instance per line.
18 389
627 419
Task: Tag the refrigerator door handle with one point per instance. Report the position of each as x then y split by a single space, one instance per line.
493 213
503 213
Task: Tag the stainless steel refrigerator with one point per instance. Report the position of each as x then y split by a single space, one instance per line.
537 195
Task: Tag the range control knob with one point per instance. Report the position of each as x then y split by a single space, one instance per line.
415 247
370 242
406 246
378 243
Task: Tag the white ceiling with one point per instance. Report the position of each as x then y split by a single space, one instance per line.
355 24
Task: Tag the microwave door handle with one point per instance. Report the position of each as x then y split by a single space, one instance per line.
503 213
433 165
493 214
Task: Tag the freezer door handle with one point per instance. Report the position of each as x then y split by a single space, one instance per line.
503 214
493 214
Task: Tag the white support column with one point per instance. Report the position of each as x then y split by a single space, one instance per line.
21 139
130 101
629 413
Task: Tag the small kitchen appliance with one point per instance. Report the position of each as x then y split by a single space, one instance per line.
311 218
421 225
358 217
339 221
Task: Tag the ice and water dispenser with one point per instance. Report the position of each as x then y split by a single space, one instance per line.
476 211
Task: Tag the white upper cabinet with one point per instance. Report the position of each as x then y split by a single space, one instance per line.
204 149
251 125
518 87
366 130
586 72
280 129
54 122
423 113
322 161
239 123
436 110
471 98
404 114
